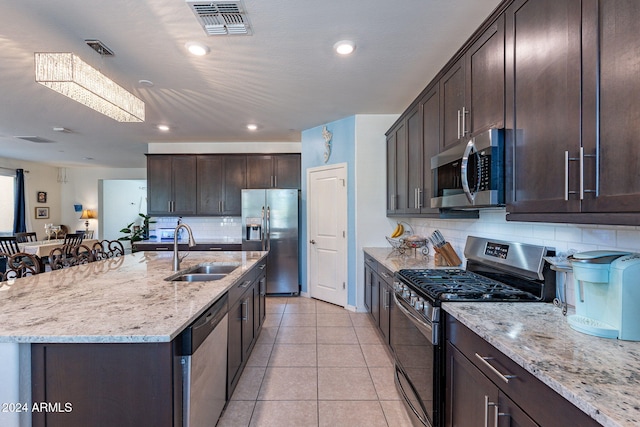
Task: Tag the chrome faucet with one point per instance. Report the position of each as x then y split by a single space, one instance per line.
176 255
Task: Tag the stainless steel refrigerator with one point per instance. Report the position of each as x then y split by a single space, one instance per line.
270 223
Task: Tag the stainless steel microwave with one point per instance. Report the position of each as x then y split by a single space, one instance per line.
470 175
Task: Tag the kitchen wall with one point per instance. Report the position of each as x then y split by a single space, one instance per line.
40 178
82 187
358 141
562 237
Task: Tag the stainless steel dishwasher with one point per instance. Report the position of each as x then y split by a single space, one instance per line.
204 366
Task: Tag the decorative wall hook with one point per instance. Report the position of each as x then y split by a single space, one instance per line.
327 143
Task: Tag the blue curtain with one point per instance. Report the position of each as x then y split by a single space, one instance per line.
19 219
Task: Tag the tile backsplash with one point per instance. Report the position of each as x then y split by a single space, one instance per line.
562 237
205 228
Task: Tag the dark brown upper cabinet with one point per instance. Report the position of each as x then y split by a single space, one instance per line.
572 70
472 89
273 171
171 184
221 179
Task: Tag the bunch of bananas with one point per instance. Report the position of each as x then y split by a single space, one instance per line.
398 231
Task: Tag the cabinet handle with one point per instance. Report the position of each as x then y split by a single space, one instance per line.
419 204
275 181
486 412
262 266
458 124
169 205
214 249
245 315
485 361
385 275
386 299
581 173
566 175
464 120
245 284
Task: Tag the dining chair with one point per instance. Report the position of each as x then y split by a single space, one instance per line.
21 264
105 249
88 234
9 245
29 236
73 239
69 256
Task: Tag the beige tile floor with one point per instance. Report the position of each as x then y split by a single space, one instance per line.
316 364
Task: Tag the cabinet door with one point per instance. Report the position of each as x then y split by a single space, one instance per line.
368 277
414 161
470 396
385 297
452 103
391 173
246 304
234 179
259 301
485 80
158 184
618 161
287 171
510 414
543 115
184 177
210 182
375 299
401 176
431 145
234 346
259 171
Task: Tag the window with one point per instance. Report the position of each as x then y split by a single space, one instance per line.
7 189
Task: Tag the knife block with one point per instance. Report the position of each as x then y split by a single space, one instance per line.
449 254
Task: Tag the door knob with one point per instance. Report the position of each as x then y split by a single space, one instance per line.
313 242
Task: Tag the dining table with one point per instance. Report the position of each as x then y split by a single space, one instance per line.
43 248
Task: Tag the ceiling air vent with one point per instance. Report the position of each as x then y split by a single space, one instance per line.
36 139
221 17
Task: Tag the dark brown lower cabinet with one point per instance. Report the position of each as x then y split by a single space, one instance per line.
106 385
477 391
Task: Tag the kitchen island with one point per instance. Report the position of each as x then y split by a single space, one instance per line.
122 304
597 375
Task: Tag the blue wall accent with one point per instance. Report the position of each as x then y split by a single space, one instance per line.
342 151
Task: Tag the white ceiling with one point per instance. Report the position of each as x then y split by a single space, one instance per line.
285 77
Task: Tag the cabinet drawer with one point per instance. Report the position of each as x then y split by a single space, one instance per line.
370 262
537 399
385 274
244 283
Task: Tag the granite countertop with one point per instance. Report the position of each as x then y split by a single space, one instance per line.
124 299
394 262
598 375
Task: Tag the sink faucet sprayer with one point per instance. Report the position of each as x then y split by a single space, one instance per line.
176 255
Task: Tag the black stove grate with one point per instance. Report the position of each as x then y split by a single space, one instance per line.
461 285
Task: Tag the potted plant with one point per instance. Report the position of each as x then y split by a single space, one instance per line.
135 233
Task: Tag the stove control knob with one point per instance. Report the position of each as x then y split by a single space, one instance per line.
414 299
405 292
419 304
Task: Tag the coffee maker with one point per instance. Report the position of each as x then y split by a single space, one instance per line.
607 286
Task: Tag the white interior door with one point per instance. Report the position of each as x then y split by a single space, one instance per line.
327 233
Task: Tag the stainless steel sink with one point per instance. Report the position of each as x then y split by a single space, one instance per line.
199 277
202 273
212 269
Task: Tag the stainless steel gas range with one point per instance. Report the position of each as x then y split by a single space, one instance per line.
496 271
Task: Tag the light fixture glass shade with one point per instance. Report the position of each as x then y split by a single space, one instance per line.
67 74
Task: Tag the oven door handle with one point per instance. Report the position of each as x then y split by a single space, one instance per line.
426 328
422 416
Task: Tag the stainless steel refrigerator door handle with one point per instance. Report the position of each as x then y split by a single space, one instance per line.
264 228
268 228
464 171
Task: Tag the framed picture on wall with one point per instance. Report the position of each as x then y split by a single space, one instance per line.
42 197
42 213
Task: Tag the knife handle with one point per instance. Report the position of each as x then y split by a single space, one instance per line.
449 254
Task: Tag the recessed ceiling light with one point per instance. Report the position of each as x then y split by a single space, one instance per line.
197 49
344 47
147 83
252 127
164 128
